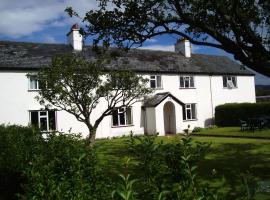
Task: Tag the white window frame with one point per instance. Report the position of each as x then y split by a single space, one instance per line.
29 83
154 78
44 116
188 106
125 116
229 82
189 81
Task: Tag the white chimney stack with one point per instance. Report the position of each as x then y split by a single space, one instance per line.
183 46
75 39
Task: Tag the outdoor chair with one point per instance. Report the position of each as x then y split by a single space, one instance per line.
244 125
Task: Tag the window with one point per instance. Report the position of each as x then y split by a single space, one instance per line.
189 112
155 81
122 117
186 82
33 83
43 119
229 82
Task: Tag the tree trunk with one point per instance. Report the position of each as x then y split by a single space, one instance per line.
92 136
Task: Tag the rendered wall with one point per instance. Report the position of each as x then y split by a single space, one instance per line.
16 101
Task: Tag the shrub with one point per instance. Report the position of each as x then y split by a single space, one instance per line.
196 129
17 147
64 167
166 171
229 114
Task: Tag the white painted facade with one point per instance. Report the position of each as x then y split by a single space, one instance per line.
16 100
205 93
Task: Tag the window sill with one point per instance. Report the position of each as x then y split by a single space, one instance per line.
230 88
33 90
187 88
188 120
122 126
157 88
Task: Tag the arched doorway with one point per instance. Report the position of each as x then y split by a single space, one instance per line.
169 118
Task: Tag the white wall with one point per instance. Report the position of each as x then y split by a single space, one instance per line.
16 101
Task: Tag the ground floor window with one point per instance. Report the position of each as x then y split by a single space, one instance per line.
45 120
122 117
189 112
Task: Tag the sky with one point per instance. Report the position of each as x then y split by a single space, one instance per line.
45 21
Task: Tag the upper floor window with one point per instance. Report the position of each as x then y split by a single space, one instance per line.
189 112
155 81
45 120
229 82
122 117
33 83
186 82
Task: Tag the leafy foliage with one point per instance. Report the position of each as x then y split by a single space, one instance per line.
168 171
240 27
17 147
229 114
77 86
65 168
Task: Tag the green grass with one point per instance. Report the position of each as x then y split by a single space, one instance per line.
235 131
230 157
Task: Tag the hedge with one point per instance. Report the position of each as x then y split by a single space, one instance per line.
229 114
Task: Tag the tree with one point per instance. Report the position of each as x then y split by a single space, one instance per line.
77 86
240 27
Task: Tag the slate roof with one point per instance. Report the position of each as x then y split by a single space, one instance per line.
158 98
27 56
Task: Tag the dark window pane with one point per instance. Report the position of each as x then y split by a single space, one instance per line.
186 82
188 114
52 120
34 118
115 118
129 117
43 124
193 109
181 81
43 113
191 81
152 83
184 113
122 119
234 81
224 81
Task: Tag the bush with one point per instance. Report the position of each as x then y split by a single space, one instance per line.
64 167
165 169
229 114
17 147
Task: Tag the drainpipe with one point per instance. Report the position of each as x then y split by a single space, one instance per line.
212 107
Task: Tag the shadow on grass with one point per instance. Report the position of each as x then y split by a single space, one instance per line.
232 160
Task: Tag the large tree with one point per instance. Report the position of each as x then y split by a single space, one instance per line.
240 27
77 86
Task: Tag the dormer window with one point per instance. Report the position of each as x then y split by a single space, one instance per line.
229 82
187 82
155 82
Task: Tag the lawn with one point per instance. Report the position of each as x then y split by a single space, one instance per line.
229 157
234 131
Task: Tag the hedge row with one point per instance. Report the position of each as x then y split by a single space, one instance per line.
229 114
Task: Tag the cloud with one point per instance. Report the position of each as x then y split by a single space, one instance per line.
23 18
152 40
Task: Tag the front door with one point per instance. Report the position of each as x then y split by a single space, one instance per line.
169 118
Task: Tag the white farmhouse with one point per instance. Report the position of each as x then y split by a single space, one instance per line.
187 88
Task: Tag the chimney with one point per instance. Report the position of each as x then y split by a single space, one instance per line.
183 46
74 38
